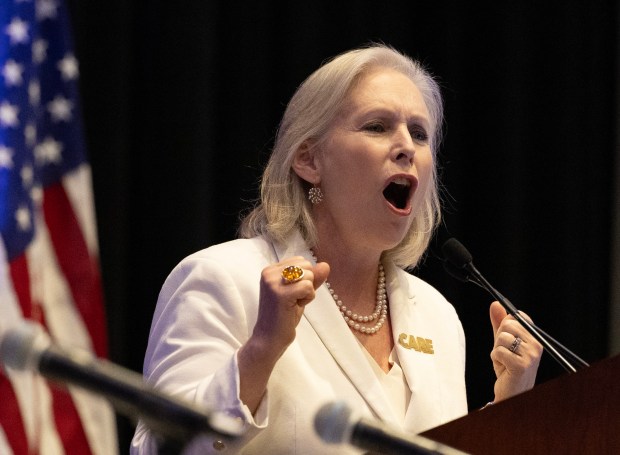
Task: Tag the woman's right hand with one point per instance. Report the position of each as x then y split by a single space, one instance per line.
281 305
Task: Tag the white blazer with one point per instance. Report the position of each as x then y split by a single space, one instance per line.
207 309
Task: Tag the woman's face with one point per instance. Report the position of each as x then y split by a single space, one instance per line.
376 163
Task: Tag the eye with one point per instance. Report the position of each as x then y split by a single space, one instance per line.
418 134
374 127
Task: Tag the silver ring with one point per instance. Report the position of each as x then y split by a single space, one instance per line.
515 345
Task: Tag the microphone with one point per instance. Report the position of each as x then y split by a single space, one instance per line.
334 425
459 264
28 347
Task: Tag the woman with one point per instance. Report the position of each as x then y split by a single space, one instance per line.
313 305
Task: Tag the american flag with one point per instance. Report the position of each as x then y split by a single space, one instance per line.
48 242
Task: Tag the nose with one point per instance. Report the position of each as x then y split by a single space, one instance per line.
403 147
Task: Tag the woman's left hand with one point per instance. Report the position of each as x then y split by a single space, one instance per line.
515 362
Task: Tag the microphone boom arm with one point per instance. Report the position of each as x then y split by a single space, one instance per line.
512 310
459 264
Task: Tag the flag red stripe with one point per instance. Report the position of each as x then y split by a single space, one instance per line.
67 419
57 278
80 270
68 423
9 411
21 285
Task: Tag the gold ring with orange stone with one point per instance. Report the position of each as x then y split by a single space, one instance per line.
292 274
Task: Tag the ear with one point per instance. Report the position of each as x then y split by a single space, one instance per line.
306 163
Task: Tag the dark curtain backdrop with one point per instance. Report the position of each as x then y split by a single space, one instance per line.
182 101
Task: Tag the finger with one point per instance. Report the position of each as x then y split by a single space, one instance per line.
497 314
506 341
299 292
273 278
526 317
514 328
302 291
321 272
508 360
316 276
522 356
304 294
292 270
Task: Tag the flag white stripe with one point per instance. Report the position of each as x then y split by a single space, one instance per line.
67 328
31 391
51 290
5 449
98 420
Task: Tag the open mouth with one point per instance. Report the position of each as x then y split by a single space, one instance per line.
397 192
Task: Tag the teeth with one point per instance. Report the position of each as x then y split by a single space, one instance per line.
401 181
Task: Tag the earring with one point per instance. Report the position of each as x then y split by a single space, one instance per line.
315 195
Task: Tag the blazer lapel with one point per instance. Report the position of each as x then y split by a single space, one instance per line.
327 322
418 366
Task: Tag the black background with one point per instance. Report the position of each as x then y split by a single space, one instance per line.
182 100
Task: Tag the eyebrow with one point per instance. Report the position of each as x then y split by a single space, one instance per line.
378 111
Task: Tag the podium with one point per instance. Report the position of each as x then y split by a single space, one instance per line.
572 414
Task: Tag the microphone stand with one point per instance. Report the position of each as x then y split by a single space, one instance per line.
577 361
549 343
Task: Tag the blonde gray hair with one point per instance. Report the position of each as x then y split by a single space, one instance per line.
283 205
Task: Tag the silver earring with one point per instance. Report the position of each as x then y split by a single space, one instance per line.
315 195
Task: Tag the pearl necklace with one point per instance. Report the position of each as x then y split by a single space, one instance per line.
356 321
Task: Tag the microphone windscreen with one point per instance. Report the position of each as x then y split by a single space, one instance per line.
332 422
461 274
22 346
456 253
